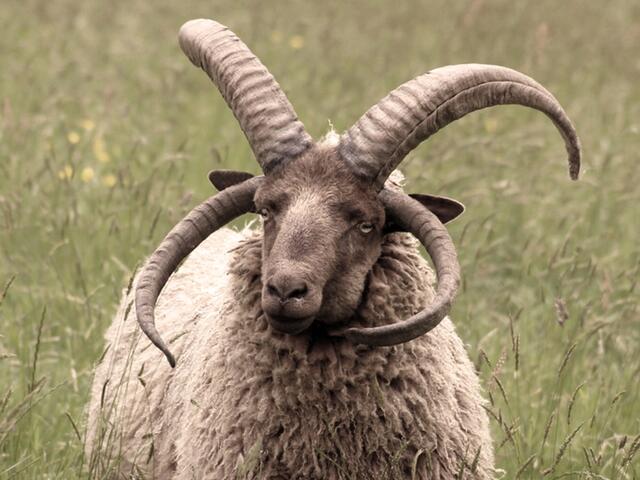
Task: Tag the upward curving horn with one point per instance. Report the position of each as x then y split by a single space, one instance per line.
257 101
375 145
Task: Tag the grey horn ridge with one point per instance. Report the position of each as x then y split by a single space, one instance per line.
425 226
265 115
370 150
201 222
414 111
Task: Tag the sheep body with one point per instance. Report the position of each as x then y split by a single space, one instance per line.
248 402
131 382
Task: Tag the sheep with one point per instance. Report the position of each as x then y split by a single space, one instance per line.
299 349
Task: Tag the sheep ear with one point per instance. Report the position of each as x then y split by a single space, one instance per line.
446 209
222 179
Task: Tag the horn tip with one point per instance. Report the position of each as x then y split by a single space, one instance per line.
574 166
190 27
146 323
190 34
170 358
158 342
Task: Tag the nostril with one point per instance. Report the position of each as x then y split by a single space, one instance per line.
285 288
273 291
299 292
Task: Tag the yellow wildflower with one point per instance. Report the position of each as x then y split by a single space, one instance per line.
73 137
296 42
109 180
66 173
100 150
88 124
87 174
276 36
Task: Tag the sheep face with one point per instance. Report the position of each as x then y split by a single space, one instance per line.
322 233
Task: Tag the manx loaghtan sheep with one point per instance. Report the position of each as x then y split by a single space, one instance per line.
299 348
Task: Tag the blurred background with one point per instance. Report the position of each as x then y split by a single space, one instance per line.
107 133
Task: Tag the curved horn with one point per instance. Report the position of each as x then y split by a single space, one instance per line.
192 230
255 98
375 145
413 217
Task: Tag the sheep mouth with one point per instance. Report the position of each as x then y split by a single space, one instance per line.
291 326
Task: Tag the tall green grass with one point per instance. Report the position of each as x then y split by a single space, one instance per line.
107 132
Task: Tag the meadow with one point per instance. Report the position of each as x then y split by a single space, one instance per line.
107 133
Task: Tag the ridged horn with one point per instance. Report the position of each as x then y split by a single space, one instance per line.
265 114
375 145
413 217
192 230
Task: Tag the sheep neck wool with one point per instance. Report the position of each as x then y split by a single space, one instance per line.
313 407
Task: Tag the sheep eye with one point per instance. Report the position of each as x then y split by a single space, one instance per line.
366 227
264 213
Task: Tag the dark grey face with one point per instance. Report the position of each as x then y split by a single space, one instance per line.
322 234
323 230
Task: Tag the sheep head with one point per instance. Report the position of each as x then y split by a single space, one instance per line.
322 232
325 207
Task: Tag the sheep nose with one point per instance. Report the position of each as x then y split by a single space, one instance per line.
285 287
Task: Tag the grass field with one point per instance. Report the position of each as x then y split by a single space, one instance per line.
107 133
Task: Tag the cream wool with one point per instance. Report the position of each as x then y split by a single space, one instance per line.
245 400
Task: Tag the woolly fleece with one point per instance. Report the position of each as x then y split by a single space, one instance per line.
247 402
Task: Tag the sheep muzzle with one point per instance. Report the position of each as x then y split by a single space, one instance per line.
290 302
